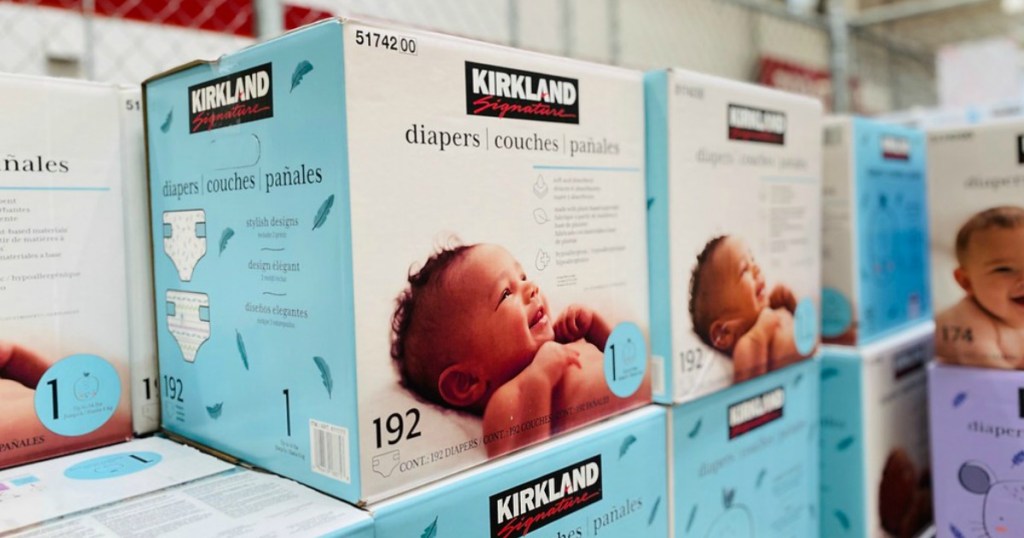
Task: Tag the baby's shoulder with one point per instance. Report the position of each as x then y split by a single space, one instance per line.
965 316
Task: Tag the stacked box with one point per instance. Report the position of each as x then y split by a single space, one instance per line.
155 487
607 480
734 226
384 255
875 273
977 451
976 201
64 360
744 461
876 478
145 390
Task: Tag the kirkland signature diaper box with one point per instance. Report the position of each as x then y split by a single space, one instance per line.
744 461
145 390
976 201
156 487
385 255
64 355
875 275
734 197
876 479
977 450
605 481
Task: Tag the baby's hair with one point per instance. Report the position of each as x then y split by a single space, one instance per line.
698 299
1007 217
415 343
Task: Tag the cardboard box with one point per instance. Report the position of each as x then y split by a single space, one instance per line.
607 480
384 255
976 450
64 361
875 274
976 188
734 188
156 487
875 472
744 461
145 389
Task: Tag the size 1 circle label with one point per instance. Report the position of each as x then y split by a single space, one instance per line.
77 395
625 359
805 326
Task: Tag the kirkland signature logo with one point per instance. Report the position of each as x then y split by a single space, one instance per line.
751 414
895 148
756 125
239 98
534 504
910 360
510 93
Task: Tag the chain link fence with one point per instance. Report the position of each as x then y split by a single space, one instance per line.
891 64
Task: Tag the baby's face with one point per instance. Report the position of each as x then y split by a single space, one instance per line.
994 265
503 315
741 285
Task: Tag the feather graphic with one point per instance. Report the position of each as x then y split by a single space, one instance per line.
956 532
845 443
654 511
300 71
241 349
431 530
226 235
693 515
799 378
166 126
760 477
626 443
214 410
321 214
728 495
696 429
844 521
650 202
325 374
959 399
1018 458
829 373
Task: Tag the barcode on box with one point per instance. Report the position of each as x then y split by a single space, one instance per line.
328 448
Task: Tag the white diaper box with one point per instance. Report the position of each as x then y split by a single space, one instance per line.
874 231
156 487
976 194
384 255
734 181
607 480
64 329
145 391
875 472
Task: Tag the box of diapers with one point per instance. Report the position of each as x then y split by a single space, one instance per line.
734 196
876 471
64 331
156 487
976 203
606 480
383 255
875 273
743 462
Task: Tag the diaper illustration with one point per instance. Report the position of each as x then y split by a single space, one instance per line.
384 464
185 240
1002 514
188 319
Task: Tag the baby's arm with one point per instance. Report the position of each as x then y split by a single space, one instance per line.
581 322
966 335
750 356
526 399
782 297
21 365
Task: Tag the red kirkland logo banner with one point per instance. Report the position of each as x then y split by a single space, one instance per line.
531 505
230 100
503 92
748 415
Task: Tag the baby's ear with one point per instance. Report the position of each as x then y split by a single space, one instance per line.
722 334
460 385
961 278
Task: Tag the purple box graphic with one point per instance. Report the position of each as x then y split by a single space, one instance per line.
977 430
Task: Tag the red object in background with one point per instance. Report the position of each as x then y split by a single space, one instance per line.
226 16
796 78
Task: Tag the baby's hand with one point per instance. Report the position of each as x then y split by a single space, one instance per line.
782 297
574 323
552 359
